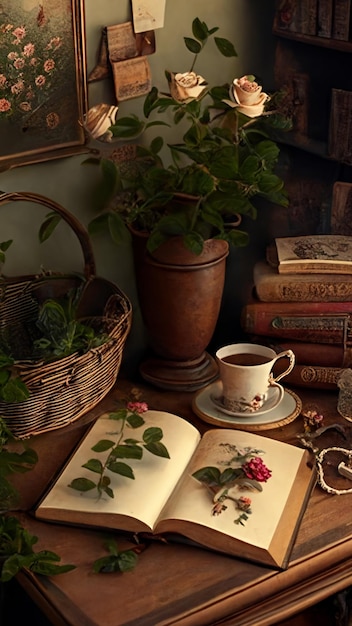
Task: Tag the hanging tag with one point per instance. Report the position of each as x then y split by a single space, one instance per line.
148 14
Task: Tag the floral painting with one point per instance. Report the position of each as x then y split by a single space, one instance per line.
42 80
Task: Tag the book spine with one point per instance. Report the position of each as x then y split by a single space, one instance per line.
341 20
308 17
322 327
314 376
325 12
340 126
324 355
289 290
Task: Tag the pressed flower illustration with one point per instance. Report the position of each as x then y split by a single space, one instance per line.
244 471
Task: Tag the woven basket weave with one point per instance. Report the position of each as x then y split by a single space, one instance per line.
63 390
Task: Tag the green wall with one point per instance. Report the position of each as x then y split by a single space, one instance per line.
246 22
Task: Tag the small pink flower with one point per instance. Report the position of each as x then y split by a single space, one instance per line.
17 87
40 80
19 63
3 80
137 407
28 50
49 65
255 469
20 32
5 105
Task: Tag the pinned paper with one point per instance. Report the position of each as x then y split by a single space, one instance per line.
148 14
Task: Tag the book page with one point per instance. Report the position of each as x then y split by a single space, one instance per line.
193 502
141 498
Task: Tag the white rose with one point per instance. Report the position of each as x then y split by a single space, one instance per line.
247 96
187 86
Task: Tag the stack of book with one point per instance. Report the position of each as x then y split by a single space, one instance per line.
322 18
302 300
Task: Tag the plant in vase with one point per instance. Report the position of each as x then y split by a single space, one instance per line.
211 176
187 198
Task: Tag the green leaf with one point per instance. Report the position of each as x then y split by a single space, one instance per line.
48 226
82 484
14 390
152 434
121 562
121 468
194 242
99 224
192 45
208 475
200 30
94 465
158 449
103 445
4 245
129 127
117 228
123 451
135 420
225 47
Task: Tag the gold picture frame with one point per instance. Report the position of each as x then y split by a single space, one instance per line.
43 86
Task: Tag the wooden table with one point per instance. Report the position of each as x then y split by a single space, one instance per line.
179 584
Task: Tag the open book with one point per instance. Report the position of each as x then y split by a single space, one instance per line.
172 496
314 254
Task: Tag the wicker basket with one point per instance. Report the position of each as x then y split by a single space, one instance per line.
63 390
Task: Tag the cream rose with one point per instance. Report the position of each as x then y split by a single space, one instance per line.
247 96
187 86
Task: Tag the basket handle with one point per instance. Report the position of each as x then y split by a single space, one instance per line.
71 220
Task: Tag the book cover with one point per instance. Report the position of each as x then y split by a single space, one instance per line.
172 496
314 254
341 19
317 322
270 286
325 13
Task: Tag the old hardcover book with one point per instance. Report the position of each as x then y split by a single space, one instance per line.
341 20
309 353
270 286
340 126
314 254
314 376
317 322
168 496
325 13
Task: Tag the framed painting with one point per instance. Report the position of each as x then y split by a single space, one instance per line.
43 90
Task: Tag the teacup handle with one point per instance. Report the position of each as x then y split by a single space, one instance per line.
288 354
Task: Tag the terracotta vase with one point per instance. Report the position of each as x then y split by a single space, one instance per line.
180 296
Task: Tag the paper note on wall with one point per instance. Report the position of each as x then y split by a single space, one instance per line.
148 14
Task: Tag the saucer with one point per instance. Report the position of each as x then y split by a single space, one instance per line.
284 413
275 395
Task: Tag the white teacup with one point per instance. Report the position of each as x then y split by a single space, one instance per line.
246 375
